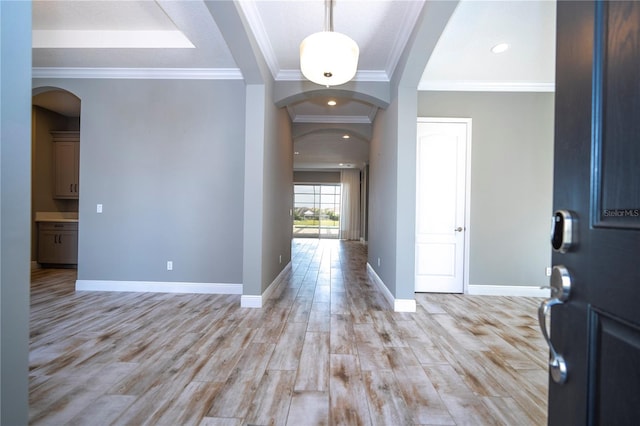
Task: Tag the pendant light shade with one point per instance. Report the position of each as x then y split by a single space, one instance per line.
327 57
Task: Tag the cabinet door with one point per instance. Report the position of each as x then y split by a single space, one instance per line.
67 247
66 169
58 243
47 246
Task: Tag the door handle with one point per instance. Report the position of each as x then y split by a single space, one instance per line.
560 289
459 229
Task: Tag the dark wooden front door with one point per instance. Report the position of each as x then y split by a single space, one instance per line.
597 178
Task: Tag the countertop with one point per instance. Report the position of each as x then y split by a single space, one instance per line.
56 216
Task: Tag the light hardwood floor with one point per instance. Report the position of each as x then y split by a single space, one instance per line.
326 349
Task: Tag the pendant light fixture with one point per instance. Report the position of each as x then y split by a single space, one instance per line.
327 57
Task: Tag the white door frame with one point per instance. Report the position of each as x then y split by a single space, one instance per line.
467 201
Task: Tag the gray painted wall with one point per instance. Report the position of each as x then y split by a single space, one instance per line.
166 160
406 190
268 190
15 213
383 196
511 181
256 105
364 204
511 187
316 177
278 194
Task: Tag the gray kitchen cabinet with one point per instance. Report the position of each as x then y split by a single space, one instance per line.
58 242
66 156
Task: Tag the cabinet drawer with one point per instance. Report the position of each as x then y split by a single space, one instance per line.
58 226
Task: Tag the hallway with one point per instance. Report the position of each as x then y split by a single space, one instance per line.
325 349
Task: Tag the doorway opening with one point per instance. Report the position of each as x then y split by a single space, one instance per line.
316 211
55 178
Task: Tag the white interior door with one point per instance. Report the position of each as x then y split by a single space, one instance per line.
441 204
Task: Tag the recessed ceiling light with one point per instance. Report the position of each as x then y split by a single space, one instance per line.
296 152
500 48
345 136
341 164
331 103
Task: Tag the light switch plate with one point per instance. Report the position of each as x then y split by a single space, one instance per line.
99 208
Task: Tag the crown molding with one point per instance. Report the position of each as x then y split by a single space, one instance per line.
335 119
485 86
139 73
289 75
370 75
410 18
252 15
364 75
372 113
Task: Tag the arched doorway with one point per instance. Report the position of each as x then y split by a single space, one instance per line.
55 184
331 130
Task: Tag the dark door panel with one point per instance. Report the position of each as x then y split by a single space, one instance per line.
597 178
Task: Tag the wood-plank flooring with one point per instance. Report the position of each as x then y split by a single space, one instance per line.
325 349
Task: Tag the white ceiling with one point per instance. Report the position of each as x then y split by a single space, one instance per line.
462 59
381 28
81 33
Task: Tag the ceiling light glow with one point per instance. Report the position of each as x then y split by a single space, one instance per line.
345 136
332 103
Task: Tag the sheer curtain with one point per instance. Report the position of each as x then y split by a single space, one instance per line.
350 206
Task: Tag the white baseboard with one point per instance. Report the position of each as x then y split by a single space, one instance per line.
249 301
255 301
266 294
399 305
507 290
404 305
380 284
158 287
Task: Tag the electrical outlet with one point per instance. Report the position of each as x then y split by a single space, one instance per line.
548 271
169 265
98 208
378 261
280 259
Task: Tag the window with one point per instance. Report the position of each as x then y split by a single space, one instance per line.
316 211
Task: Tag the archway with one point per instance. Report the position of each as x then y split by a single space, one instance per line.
55 186
331 131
